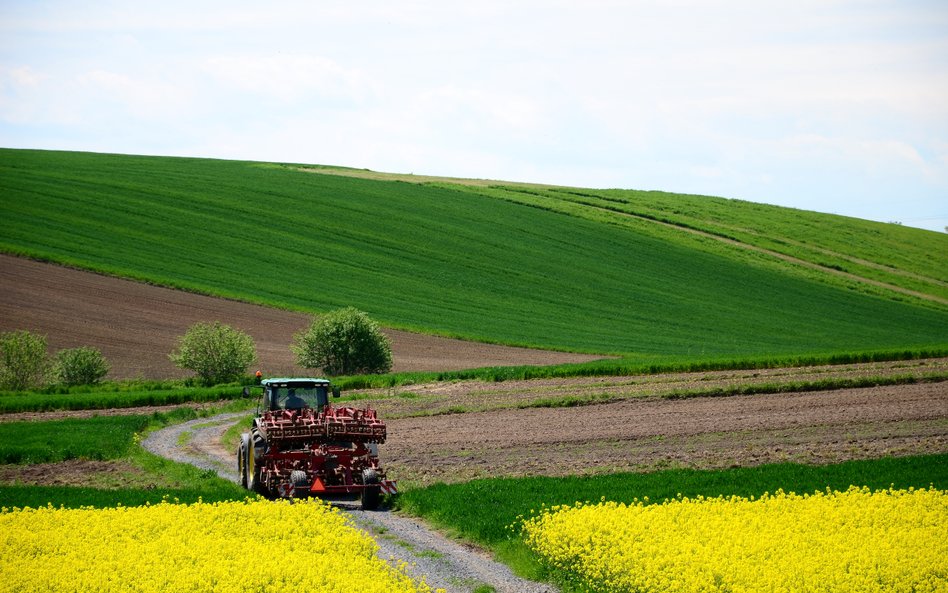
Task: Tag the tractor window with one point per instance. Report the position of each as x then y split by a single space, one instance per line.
295 397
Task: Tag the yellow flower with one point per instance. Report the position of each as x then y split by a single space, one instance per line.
891 540
221 548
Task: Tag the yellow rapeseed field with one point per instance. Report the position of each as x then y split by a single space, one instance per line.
853 541
229 547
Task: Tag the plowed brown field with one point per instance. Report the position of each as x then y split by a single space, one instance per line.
650 433
136 325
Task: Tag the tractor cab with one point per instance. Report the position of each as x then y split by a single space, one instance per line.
295 394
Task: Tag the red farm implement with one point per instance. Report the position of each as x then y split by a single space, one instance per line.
299 445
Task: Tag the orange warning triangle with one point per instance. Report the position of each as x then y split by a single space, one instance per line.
318 486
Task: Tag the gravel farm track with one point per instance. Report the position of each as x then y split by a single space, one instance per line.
461 430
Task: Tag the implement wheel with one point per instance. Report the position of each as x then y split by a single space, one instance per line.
299 479
372 491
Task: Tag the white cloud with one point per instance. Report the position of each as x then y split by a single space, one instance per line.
22 77
872 156
291 78
475 108
139 97
21 87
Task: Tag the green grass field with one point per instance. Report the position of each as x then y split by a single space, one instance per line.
451 260
99 438
900 256
113 395
105 438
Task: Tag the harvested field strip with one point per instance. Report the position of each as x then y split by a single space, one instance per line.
452 397
103 475
477 396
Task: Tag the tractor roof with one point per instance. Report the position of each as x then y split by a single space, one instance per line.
295 381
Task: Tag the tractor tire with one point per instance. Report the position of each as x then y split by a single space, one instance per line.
242 450
372 492
255 451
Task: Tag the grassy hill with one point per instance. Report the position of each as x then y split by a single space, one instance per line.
587 270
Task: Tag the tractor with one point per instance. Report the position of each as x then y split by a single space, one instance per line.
300 445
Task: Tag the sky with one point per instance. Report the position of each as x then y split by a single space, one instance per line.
833 106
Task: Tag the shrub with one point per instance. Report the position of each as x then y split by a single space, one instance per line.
217 352
344 342
79 366
23 360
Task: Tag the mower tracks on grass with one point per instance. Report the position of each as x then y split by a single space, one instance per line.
402 541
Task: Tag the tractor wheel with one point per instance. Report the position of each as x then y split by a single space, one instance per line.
242 450
255 452
372 491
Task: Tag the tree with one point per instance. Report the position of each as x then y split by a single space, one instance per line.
23 360
217 352
344 342
79 366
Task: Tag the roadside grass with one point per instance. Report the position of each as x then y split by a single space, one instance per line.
231 437
74 497
476 265
106 438
487 511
